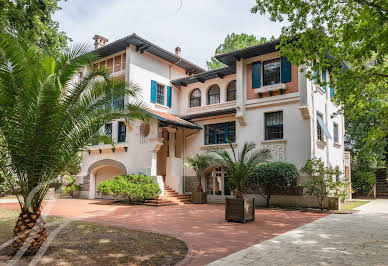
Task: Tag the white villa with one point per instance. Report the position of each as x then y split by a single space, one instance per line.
258 97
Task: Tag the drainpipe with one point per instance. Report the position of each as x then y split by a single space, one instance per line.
313 126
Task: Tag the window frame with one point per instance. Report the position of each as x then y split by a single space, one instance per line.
335 132
213 135
108 129
268 135
320 134
121 130
234 91
160 95
195 98
263 74
213 94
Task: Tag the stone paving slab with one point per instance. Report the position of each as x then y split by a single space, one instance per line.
338 239
202 227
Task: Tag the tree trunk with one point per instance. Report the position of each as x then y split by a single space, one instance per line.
268 200
199 185
30 231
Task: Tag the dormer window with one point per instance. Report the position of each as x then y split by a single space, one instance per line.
271 72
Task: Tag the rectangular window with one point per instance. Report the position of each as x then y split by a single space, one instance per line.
335 132
109 65
160 94
220 133
117 63
274 125
122 130
320 133
271 72
108 130
123 61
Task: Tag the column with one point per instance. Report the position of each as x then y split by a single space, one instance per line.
171 142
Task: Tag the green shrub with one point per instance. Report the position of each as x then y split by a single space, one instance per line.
272 176
321 181
363 181
69 186
135 187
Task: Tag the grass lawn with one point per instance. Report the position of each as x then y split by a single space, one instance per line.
83 243
350 205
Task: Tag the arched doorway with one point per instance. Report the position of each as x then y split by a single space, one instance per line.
103 174
103 170
217 183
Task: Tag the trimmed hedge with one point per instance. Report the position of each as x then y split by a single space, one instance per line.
135 187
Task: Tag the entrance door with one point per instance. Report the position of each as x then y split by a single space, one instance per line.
217 185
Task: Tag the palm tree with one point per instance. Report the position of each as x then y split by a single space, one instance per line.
46 118
241 164
199 163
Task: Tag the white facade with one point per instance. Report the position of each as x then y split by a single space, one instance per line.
161 153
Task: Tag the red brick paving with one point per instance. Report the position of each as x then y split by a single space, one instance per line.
202 227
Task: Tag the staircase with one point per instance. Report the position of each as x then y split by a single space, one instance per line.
381 183
170 197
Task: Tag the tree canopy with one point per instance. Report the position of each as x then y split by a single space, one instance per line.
335 33
33 20
234 42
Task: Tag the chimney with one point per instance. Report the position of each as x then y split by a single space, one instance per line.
99 41
178 51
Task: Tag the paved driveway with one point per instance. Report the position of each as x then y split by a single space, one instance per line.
356 239
202 227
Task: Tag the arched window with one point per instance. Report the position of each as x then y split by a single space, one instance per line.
195 98
231 91
213 94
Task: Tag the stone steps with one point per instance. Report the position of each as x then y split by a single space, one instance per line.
381 183
170 197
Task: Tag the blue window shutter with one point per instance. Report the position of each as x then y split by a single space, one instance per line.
315 72
331 92
256 75
153 91
323 127
169 96
324 78
285 70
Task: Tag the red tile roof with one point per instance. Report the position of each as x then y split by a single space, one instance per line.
173 119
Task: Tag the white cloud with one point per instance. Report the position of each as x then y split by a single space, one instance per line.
198 27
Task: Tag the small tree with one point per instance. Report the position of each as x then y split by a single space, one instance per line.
70 186
199 163
321 181
239 166
272 176
134 187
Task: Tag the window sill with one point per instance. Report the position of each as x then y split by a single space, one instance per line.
275 87
161 106
321 144
336 145
274 141
218 146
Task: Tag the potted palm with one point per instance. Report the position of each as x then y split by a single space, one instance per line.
199 163
239 165
45 120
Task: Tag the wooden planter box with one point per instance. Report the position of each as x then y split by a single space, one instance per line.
239 210
199 197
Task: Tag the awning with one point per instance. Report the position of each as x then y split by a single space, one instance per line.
323 126
173 120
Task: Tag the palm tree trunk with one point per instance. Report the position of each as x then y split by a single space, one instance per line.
30 233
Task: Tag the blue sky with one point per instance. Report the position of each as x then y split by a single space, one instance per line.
198 27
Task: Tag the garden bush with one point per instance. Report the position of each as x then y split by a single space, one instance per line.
363 181
135 187
272 176
70 186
